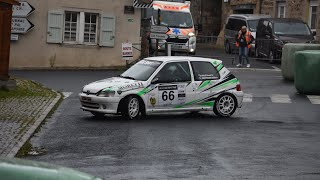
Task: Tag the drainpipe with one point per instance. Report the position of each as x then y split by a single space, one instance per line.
260 6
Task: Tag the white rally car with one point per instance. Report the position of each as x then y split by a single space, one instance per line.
165 84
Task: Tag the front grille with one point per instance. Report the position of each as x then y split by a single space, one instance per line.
177 40
89 93
90 105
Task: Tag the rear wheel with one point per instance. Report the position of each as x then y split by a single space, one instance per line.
131 108
225 105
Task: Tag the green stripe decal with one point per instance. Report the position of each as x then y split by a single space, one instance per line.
142 92
219 67
204 84
210 104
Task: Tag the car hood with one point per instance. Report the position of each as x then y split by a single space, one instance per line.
296 39
113 84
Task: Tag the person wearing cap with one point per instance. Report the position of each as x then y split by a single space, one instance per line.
243 42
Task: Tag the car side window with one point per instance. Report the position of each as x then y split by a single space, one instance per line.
203 71
174 72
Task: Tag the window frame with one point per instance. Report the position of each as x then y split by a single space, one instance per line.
81 15
154 76
312 5
279 6
193 71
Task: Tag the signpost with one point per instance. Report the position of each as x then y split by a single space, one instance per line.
14 37
127 51
21 25
160 29
24 10
158 36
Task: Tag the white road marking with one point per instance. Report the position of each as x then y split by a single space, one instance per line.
280 98
314 99
276 68
66 94
247 98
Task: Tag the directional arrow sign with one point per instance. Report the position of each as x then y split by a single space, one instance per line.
24 10
21 25
160 29
159 36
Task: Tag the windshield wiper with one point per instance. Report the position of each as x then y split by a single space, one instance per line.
128 77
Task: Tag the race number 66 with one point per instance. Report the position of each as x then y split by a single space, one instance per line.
166 95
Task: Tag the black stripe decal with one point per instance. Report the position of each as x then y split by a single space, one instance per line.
228 78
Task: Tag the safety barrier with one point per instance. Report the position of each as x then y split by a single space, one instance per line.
306 72
288 57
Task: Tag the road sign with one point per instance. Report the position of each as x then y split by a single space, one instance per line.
160 29
14 37
24 10
127 51
159 36
21 25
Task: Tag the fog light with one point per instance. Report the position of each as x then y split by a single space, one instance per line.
191 50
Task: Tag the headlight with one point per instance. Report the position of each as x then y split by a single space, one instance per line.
106 93
191 34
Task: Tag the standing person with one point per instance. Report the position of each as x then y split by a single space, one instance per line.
243 41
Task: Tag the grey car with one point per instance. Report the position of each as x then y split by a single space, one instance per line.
233 25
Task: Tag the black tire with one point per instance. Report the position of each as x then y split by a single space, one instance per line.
221 101
97 114
227 47
131 108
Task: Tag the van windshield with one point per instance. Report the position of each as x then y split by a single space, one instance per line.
253 25
175 19
285 28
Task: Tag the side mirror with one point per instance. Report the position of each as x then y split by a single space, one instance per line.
155 81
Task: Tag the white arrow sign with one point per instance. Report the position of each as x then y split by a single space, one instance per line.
21 25
159 36
24 10
160 29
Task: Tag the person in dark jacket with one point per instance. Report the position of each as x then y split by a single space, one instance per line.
243 41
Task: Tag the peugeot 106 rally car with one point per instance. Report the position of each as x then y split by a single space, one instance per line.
165 84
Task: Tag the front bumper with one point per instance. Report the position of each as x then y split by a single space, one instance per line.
93 103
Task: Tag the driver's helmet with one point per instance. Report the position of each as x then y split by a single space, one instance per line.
172 69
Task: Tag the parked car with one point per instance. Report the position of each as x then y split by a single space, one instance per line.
165 84
233 26
273 33
18 169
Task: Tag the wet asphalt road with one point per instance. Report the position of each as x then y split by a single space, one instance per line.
263 140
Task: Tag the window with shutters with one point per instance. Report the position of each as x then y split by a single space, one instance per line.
80 28
85 28
313 14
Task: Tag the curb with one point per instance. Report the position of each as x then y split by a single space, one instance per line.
33 128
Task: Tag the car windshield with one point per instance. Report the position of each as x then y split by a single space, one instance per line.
253 25
142 70
180 20
286 28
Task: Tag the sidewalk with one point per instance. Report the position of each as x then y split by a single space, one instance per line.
21 113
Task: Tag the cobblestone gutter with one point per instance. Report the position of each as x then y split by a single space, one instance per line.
21 113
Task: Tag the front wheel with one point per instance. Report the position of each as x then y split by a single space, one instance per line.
225 105
131 108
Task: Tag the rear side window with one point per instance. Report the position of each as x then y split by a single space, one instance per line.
204 71
235 24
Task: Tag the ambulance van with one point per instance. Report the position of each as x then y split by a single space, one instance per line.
177 17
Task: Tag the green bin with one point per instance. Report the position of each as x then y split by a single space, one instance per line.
287 61
307 72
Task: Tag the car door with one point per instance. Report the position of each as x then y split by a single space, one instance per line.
206 76
173 86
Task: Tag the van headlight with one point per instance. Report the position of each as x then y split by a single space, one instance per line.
106 93
191 34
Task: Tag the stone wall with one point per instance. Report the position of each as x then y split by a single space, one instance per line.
297 9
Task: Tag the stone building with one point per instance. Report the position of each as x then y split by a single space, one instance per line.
76 34
212 14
